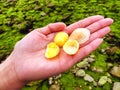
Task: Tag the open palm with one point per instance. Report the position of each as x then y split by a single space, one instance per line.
28 55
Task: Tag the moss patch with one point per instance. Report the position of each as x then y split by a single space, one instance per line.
19 17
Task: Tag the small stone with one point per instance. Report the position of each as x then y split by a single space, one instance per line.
92 56
80 73
102 80
97 69
43 14
51 81
109 64
109 80
34 83
58 76
74 70
88 78
83 64
50 5
78 88
108 74
56 82
93 68
116 86
88 66
90 88
115 71
91 59
95 83
54 87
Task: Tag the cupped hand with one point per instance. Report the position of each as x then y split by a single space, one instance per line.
28 56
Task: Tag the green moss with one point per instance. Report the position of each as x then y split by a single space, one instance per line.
43 85
67 81
30 88
100 61
19 17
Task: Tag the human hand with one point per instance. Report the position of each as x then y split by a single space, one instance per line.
28 56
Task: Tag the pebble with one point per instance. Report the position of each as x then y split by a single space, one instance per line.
90 59
78 88
95 83
115 71
54 79
74 70
108 74
109 64
102 80
51 81
34 83
95 69
90 88
109 80
54 87
83 63
50 5
58 76
92 56
116 86
88 78
80 73
43 14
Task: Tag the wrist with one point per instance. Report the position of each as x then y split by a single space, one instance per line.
9 79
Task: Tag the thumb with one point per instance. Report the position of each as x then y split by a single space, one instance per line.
51 28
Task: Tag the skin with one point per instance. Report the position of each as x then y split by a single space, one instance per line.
27 62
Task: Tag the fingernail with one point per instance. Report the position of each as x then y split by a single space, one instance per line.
110 19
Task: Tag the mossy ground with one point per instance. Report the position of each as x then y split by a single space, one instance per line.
19 17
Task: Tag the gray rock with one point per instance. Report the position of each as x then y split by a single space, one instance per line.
92 56
83 63
51 80
102 80
109 64
80 73
88 78
97 69
109 80
116 86
74 69
54 87
91 59
115 71
43 14
95 83
58 76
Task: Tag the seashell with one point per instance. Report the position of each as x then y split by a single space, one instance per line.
61 38
71 47
80 34
52 50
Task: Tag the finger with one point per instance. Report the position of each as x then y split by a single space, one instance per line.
51 28
86 50
83 23
98 34
100 24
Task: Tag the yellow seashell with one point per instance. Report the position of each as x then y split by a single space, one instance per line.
70 44
52 50
71 47
61 38
80 34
